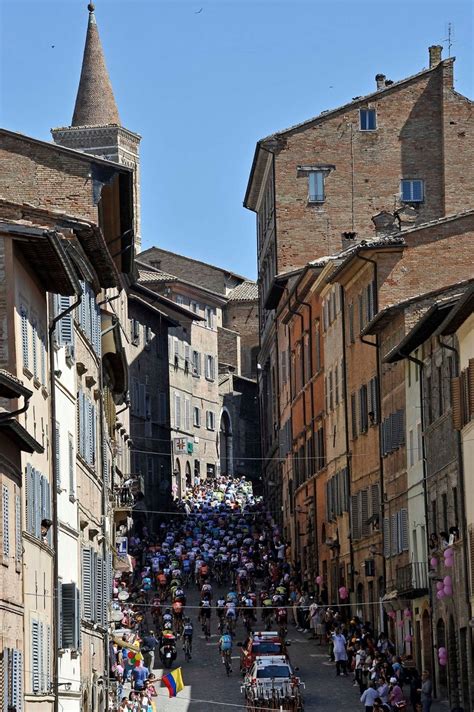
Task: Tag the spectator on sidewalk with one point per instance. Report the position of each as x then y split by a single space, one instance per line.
340 652
426 691
368 697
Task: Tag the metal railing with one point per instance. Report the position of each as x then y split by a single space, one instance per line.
412 577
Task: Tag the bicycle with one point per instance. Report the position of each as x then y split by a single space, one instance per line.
206 628
187 647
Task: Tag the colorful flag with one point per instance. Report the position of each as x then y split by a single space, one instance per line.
174 682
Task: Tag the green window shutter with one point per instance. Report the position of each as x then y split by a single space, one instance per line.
66 324
70 616
87 584
35 657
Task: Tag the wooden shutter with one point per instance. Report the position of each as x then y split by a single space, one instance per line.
24 338
87 584
18 538
69 616
456 402
355 517
66 324
99 590
354 415
386 538
6 521
35 657
34 341
37 503
47 652
394 535
404 534
364 508
375 500
16 691
57 455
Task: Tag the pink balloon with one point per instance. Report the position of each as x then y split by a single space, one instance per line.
407 613
447 581
392 614
448 591
442 652
448 553
343 592
434 562
400 624
443 662
408 638
319 580
449 563
439 585
440 595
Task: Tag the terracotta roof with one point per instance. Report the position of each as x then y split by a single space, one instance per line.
95 102
245 292
145 276
11 386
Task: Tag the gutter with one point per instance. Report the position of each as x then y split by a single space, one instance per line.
54 508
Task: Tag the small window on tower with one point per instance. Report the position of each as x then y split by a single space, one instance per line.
368 119
412 191
316 187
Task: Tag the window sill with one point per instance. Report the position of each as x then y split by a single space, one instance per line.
44 392
36 382
316 202
27 372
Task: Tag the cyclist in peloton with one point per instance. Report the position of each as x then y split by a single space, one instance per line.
225 647
188 634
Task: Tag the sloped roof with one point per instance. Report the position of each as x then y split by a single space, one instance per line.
245 292
145 276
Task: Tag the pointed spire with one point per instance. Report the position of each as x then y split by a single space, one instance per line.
95 102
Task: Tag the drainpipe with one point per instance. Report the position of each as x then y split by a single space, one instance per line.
421 365
54 507
376 345
310 308
346 422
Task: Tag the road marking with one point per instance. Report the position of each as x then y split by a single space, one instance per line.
317 655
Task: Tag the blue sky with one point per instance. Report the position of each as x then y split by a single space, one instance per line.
203 87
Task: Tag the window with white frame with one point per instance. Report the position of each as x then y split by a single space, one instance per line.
196 363
412 191
368 119
196 417
210 367
210 312
316 187
210 420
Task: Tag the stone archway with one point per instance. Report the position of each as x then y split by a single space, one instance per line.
226 444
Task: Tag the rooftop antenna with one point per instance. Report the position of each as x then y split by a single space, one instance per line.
450 37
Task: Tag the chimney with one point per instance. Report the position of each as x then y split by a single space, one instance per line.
435 55
380 80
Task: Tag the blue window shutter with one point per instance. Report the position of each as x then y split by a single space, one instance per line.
57 460
71 468
99 590
17 680
37 503
48 677
6 521
34 339
24 337
66 324
82 308
43 360
35 657
87 584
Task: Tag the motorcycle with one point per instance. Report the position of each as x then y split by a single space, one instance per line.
168 654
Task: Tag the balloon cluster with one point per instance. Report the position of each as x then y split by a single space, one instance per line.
449 558
444 588
442 657
343 593
319 580
134 658
392 615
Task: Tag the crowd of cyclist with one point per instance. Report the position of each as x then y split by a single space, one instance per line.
221 541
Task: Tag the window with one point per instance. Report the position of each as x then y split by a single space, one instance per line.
70 616
197 417
368 119
72 491
354 415
209 317
210 367
196 363
210 420
87 427
363 409
38 502
177 410
88 315
317 342
11 677
412 191
419 439
187 414
410 448
316 187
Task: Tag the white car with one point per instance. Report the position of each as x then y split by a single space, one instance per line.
272 678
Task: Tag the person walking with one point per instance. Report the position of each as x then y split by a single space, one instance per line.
368 697
426 691
340 652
